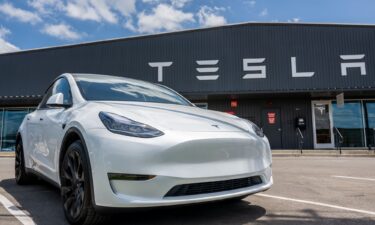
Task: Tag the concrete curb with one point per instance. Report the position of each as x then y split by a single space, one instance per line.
7 154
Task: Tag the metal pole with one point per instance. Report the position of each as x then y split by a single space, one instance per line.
300 139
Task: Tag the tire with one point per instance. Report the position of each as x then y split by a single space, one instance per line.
75 187
21 176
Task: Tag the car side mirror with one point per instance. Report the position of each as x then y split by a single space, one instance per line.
57 101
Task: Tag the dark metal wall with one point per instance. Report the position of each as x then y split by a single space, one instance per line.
289 108
317 48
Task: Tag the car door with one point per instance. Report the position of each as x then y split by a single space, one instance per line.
35 145
52 123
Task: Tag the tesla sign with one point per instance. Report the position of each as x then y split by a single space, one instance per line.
256 68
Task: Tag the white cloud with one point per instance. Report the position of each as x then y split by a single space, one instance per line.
61 31
125 7
163 18
174 3
264 12
19 14
103 8
209 17
82 10
294 20
130 25
100 10
152 1
179 3
45 6
251 3
4 45
4 32
95 10
7 47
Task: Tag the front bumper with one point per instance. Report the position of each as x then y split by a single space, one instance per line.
175 158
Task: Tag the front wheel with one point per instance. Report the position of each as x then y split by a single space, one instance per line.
19 167
75 187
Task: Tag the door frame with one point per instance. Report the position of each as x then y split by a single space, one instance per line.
316 145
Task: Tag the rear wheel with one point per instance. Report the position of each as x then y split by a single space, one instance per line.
75 187
20 172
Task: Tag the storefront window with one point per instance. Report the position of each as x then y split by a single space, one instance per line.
369 107
348 119
1 125
12 119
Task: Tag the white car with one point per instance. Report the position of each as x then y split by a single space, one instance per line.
111 142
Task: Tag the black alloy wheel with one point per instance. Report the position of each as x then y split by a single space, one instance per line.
18 163
19 166
73 190
75 187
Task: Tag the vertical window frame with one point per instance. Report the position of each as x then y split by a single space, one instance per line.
1 129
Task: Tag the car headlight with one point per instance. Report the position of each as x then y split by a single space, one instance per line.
258 131
122 125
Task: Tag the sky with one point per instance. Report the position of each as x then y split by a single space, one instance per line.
30 24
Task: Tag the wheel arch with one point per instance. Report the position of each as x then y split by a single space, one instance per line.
74 134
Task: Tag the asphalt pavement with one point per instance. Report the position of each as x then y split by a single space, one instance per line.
307 190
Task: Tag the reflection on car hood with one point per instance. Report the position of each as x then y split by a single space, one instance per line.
177 117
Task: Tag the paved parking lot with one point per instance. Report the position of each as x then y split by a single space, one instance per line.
307 190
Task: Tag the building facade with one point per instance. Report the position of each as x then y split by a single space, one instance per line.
314 77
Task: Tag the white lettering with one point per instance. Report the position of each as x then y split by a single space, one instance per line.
205 70
247 68
160 66
345 66
299 74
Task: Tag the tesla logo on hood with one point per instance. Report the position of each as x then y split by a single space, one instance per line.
215 125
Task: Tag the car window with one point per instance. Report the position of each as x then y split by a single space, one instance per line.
43 103
109 88
60 86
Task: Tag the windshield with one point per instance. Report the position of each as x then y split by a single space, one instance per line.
110 88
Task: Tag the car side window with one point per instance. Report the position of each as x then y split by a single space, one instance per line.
60 86
43 103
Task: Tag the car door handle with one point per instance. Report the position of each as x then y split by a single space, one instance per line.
41 119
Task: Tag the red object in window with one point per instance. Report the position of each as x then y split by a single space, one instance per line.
233 103
271 117
231 112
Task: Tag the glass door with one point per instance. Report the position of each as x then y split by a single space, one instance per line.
322 124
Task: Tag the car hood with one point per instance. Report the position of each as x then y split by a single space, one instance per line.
176 117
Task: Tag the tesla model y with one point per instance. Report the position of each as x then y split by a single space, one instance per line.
113 142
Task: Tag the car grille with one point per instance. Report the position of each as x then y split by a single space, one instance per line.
211 187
